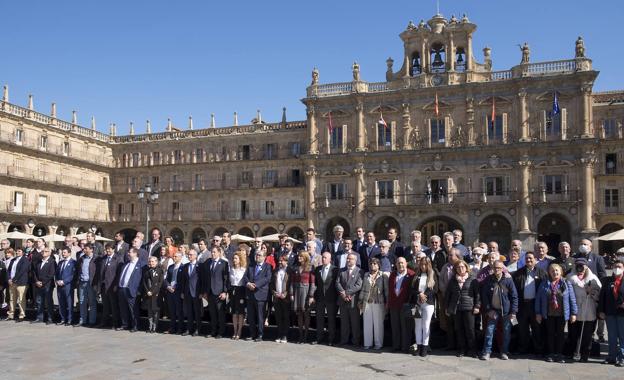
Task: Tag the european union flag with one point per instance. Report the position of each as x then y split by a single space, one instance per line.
556 110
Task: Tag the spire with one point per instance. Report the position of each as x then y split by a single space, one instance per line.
131 129
284 115
191 122
236 119
169 125
258 116
5 93
148 127
93 122
212 121
30 102
74 118
112 129
53 111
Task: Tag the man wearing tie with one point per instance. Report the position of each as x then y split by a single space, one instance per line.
121 247
43 282
110 267
336 245
129 282
257 280
174 294
65 292
290 254
348 286
325 298
369 250
142 253
86 273
340 259
191 283
216 277
359 240
153 247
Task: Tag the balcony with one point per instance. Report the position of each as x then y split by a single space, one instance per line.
562 196
345 203
54 212
443 199
216 215
51 178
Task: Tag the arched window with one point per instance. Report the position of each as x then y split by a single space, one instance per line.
438 58
460 59
415 64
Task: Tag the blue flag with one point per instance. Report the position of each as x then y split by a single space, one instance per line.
556 110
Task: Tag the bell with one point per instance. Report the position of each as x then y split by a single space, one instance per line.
437 60
460 58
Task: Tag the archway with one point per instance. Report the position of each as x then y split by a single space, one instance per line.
268 231
81 230
128 234
220 231
383 225
496 228
16 227
333 222
437 226
295 233
40 230
198 234
177 235
246 231
62 230
552 229
609 246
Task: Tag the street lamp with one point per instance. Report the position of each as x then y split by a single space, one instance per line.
148 196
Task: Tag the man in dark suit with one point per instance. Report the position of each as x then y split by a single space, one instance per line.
257 279
43 275
191 284
19 274
215 277
293 262
348 286
436 253
325 298
336 244
228 248
143 254
174 294
64 277
369 250
121 247
595 262
398 291
360 239
86 282
153 247
98 248
109 269
340 259
396 247
128 287
415 246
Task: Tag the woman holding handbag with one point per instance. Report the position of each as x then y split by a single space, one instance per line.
461 300
422 294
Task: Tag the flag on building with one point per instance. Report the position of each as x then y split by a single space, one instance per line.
437 110
330 125
556 110
493 110
381 119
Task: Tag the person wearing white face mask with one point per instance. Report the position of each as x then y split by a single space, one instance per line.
594 261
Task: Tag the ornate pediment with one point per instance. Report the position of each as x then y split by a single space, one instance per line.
431 105
335 173
335 113
554 162
494 164
547 96
438 166
385 168
499 100
384 109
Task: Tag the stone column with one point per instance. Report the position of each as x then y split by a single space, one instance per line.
450 55
312 131
361 127
360 195
407 128
587 218
310 205
524 122
524 196
586 111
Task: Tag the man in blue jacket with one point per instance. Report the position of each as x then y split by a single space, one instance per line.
129 282
499 301
257 279
64 279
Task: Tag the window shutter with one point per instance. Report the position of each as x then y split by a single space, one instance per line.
395 191
328 133
392 135
344 138
447 128
487 131
451 190
345 191
377 193
327 194
429 135
564 124
542 132
505 129
507 185
377 136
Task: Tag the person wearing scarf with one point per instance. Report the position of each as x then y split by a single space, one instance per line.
461 300
555 303
611 309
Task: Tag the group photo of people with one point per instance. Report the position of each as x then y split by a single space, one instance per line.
362 292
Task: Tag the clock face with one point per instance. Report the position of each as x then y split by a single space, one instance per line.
437 80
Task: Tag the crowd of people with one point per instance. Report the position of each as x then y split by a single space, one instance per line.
476 295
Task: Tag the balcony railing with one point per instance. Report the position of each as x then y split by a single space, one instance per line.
52 178
35 210
558 196
443 198
202 215
214 184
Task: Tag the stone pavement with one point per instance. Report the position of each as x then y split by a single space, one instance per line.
59 352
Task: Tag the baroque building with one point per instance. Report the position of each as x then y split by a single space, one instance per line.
444 142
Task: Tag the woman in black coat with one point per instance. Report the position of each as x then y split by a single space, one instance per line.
151 284
461 300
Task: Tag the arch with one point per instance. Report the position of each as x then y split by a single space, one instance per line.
62 230
437 57
610 246
246 231
460 59
331 223
177 235
40 230
220 231
415 64
496 228
385 223
552 229
268 231
128 234
437 225
16 226
99 231
81 230
197 234
295 233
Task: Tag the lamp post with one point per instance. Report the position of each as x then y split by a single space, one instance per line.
148 196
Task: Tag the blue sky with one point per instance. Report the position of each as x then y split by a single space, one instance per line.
122 60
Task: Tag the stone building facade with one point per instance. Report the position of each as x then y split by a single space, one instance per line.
445 142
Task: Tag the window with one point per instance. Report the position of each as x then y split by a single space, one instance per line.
245 178
295 149
295 207
244 209
269 208
42 205
270 151
612 198
18 202
244 152
199 155
336 138
415 64
135 160
438 58
19 136
384 135
553 184
495 130
295 177
156 158
43 143
174 183
156 182
198 181
270 178
553 125
66 148
610 163
437 131
610 128
336 191
133 183
460 60
132 211
494 186
385 189
119 209
177 156
175 208
437 191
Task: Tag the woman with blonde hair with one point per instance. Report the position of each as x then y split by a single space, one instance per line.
422 296
237 291
302 288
